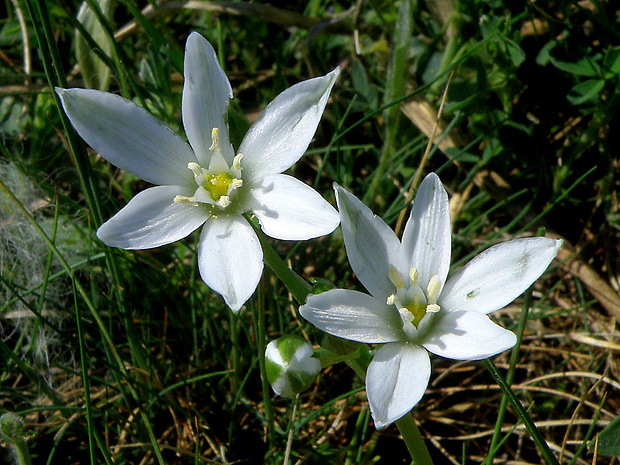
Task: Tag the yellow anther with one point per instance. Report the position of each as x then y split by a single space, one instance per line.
391 299
413 275
432 308
224 201
396 278
215 145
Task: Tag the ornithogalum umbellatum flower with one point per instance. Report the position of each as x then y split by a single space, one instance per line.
412 308
204 182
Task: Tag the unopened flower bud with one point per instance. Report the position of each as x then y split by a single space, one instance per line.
290 366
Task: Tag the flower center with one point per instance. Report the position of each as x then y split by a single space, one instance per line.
218 183
412 303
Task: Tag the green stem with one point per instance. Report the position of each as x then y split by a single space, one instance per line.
234 353
540 442
11 426
514 356
291 429
261 338
413 440
22 455
85 378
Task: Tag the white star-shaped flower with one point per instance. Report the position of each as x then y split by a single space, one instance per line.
205 182
412 308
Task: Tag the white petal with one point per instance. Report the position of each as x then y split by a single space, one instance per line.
128 136
289 209
206 92
467 336
396 380
498 275
283 132
353 315
372 247
230 259
151 219
426 240
303 361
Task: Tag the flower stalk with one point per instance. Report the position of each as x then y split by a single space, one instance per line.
413 440
261 338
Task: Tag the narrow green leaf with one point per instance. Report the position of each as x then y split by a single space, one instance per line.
97 75
609 439
540 442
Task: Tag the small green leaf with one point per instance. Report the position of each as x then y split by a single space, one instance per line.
585 67
515 52
611 62
609 439
587 91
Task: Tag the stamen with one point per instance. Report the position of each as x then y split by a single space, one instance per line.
413 275
432 308
237 161
224 201
215 138
216 183
391 299
396 278
406 315
185 199
432 291
196 169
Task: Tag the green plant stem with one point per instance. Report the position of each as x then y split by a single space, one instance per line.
261 338
514 357
413 440
85 378
22 455
540 442
291 429
11 427
234 352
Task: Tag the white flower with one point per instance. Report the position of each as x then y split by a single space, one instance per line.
412 308
207 183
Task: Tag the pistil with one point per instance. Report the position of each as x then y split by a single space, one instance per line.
411 301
